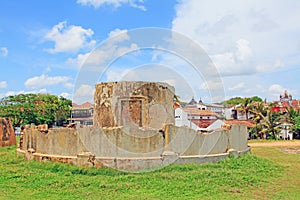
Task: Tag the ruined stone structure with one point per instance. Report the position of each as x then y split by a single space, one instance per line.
7 134
142 104
133 130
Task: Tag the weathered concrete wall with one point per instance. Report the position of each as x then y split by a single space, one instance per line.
238 137
7 133
186 141
133 149
140 104
62 141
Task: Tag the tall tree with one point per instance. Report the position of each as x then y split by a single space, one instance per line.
35 108
245 107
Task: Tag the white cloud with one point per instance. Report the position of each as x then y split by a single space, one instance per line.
242 37
69 38
68 85
78 61
115 3
13 93
237 87
112 48
66 95
244 51
276 89
44 80
84 93
278 64
118 35
3 84
3 51
253 42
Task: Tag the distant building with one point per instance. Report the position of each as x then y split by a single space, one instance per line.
217 108
285 101
235 113
286 97
82 113
286 131
197 119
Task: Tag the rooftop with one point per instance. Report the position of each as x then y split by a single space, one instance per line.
199 112
86 105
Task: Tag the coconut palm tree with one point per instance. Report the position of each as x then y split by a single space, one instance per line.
245 107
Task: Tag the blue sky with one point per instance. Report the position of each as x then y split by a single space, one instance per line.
254 45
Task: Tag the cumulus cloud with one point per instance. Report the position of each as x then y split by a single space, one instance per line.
66 95
254 42
3 84
278 64
115 3
276 89
3 51
237 87
84 93
113 48
45 80
13 93
69 38
241 38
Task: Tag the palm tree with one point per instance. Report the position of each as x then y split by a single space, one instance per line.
290 115
259 111
245 107
265 120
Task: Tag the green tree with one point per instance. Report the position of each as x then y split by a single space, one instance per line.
256 99
233 101
296 125
35 108
259 111
245 107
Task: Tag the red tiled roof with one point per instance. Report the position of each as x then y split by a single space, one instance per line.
248 123
295 103
285 104
203 123
86 105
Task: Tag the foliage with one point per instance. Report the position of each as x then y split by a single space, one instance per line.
246 106
233 101
240 100
296 125
227 179
35 108
256 99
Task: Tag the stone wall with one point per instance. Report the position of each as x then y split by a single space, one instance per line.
140 104
133 130
7 133
133 149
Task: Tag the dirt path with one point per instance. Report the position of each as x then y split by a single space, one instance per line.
275 144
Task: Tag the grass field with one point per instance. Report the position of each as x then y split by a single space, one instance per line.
269 174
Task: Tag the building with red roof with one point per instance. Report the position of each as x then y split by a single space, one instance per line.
285 101
82 114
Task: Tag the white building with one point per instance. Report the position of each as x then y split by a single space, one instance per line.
286 133
181 119
197 119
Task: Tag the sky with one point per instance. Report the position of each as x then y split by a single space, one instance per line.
210 50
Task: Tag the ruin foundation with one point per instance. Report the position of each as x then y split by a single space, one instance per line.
133 130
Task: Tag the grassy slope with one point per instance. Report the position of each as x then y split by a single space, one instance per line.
248 177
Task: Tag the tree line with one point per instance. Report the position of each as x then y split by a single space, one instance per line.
38 109
268 122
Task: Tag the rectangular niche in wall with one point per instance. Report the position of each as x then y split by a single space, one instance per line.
131 111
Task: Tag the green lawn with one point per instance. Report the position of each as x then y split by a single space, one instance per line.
248 177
